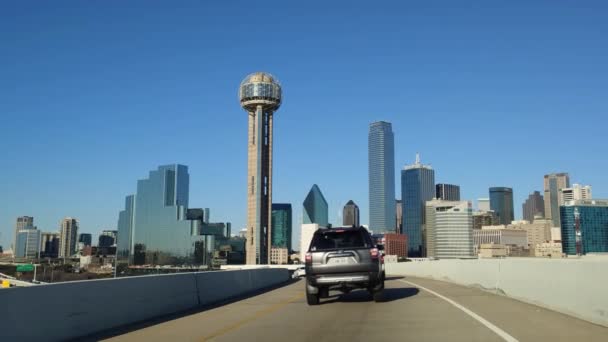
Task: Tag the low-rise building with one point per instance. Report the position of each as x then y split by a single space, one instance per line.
538 232
515 239
279 256
492 250
484 218
549 249
395 244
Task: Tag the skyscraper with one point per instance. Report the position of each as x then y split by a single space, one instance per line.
590 218
399 214
483 204
85 238
260 96
381 158
154 229
453 230
417 187
553 183
28 243
576 192
534 205
281 225
484 218
107 238
207 216
447 192
315 208
69 235
501 202
49 245
23 222
431 207
350 214
124 238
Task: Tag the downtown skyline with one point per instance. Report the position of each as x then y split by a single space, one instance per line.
209 129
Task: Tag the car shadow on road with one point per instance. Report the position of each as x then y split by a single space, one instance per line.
389 295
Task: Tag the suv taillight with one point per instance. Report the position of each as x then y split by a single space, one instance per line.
308 258
374 253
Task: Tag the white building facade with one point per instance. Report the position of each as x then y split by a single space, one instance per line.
501 235
306 233
453 230
576 192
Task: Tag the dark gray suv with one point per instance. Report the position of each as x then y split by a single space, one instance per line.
343 259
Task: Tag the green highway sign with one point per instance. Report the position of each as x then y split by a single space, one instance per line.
25 268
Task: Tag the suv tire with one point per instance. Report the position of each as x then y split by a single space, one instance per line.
378 295
312 298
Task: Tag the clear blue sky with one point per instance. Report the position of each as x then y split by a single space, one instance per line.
93 95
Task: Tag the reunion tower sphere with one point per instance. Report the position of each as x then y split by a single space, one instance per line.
260 89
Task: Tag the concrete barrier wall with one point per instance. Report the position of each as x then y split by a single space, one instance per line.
69 310
576 287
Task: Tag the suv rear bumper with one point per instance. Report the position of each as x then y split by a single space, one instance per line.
357 280
338 279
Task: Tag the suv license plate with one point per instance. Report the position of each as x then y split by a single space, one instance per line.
342 260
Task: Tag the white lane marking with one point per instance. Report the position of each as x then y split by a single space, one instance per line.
480 319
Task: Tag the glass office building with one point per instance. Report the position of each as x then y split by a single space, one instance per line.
447 192
27 243
417 187
281 225
501 202
350 214
381 167
153 228
315 208
85 238
592 218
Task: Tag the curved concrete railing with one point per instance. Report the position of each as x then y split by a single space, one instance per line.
576 287
69 310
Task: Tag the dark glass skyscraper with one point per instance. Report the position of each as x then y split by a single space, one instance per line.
534 205
153 228
350 214
281 225
592 217
501 202
85 238
447 192
315 208
381 157
417 187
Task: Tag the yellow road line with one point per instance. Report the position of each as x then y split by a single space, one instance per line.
253 317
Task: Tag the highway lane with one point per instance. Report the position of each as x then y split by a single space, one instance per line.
409 312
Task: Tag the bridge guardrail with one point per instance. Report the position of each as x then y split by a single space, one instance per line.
576 287
80 308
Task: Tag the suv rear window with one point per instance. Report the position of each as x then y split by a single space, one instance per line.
339 239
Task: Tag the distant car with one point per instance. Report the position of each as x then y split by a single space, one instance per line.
343 259
300 272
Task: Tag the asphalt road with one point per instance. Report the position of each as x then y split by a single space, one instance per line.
414 309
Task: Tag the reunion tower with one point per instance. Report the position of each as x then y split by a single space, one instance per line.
260 96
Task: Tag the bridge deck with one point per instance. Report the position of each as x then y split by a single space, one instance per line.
410 312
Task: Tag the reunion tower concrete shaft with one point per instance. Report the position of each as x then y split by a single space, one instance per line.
260 96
